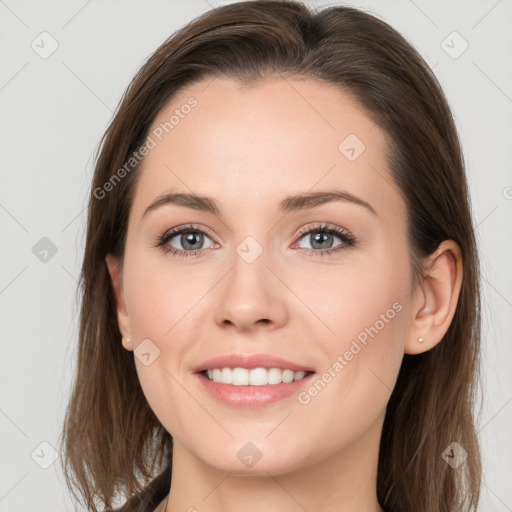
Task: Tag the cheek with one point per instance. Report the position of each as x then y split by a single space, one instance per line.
363 361
364 303
365 311
157 299
161 308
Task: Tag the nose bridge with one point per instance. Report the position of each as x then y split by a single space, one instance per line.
251 294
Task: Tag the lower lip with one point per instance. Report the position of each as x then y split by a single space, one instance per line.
252 396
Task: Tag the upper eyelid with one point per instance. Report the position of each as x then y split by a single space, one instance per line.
178 229
322 226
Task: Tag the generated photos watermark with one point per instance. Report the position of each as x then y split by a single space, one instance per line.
357 345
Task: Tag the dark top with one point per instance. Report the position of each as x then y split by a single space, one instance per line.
150 497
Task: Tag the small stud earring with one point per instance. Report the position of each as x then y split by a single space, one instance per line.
420 340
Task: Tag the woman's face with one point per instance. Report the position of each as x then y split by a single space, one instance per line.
264 274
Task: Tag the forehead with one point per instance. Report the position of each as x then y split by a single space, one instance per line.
257 144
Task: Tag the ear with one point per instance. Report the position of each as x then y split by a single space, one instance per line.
436 299
115 270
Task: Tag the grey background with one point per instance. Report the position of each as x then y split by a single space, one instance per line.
53 112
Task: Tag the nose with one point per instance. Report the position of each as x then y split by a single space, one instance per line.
251 297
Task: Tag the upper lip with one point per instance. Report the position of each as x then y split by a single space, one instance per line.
250 361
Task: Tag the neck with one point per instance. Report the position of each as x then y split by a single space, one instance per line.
345 481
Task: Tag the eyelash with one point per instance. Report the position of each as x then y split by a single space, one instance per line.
347 240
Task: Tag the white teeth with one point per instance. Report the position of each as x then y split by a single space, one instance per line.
274 376
258 377
254 377
226 375
216 375
240 377
288 376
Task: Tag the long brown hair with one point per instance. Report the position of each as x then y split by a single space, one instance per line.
113 444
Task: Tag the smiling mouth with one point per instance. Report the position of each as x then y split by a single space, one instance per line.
253 377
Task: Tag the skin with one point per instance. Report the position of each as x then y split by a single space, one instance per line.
248 149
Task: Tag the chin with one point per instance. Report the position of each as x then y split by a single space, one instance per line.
245 458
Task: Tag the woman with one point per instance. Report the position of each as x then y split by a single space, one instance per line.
217 351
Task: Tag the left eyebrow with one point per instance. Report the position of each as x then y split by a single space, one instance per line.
301 201
312 199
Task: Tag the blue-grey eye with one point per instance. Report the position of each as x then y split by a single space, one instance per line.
189 240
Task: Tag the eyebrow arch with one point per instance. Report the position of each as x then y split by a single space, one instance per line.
301 201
